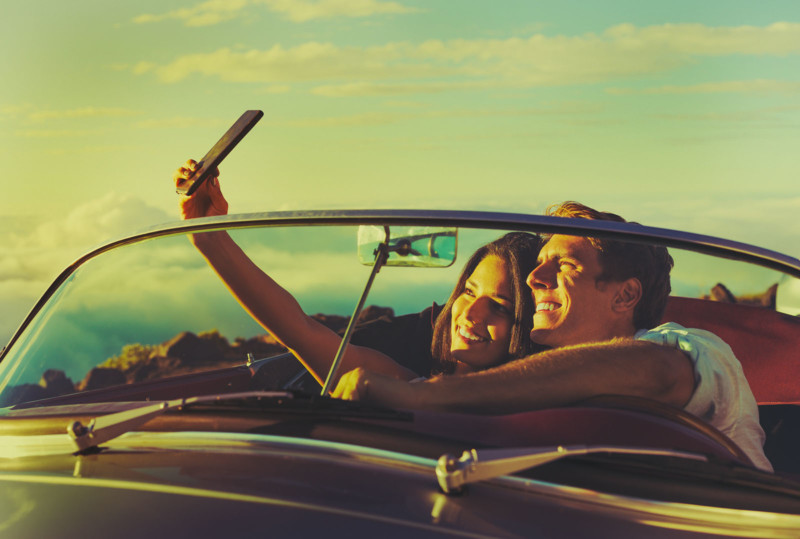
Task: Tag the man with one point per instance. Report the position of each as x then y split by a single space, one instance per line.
596 301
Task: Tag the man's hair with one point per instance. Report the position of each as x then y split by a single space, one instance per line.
620 260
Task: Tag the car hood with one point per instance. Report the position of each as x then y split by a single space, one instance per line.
196 484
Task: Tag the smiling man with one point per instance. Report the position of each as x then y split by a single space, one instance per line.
598 305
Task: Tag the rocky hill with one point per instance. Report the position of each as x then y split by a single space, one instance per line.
186 352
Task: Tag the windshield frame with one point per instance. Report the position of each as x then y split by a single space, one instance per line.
441 218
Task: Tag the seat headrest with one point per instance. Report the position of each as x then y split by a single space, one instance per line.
766 342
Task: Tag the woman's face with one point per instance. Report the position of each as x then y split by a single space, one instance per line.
483 317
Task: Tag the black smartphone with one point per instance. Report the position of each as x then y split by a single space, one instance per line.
220 150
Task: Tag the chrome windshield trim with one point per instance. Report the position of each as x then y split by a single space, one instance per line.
475 219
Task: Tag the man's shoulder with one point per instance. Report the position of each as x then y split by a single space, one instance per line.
669 328
689 340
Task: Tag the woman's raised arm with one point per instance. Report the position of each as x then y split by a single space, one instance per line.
272 306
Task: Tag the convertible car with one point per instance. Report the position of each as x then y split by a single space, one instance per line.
139 399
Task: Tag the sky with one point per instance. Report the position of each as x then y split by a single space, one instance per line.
678 114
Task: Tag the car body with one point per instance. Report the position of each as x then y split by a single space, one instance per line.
139 398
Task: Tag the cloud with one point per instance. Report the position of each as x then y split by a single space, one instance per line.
277 89
140 68
435 65
356 89
308 62
402 113
14 111
56 133
205 14
34 253
35 117
367 118
305 10
178 122
80 113
697 39
759 86
767 221
218 11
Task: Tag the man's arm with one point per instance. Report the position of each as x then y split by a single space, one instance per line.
552 378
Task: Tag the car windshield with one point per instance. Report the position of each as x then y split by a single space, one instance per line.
154 310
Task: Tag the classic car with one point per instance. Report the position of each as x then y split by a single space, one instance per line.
139 399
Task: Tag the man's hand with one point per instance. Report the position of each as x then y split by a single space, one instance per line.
362 385
207 200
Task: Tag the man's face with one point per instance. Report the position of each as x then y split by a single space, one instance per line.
571 306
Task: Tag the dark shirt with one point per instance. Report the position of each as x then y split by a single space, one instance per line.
406 339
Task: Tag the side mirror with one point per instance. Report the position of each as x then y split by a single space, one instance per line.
414 246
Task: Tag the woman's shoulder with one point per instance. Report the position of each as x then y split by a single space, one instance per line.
406 338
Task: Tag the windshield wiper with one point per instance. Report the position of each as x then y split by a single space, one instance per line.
473 466
107 427
104 428
83 438
79 438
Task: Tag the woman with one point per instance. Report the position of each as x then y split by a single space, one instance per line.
485 322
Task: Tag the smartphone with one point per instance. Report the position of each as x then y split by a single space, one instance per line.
220 150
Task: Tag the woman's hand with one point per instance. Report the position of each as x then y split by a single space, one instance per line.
207 200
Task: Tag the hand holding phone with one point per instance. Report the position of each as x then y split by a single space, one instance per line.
219 151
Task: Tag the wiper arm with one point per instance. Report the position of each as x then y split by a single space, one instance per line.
104 428
473 466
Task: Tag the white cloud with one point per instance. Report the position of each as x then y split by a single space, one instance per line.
215 12
34 254
14 111
56 133
178 122
388 89
140 68
759 86
404 112
96 221
305 10
620 52
310 61
277 89
697 39
204 14
35 117
85 112
769 221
